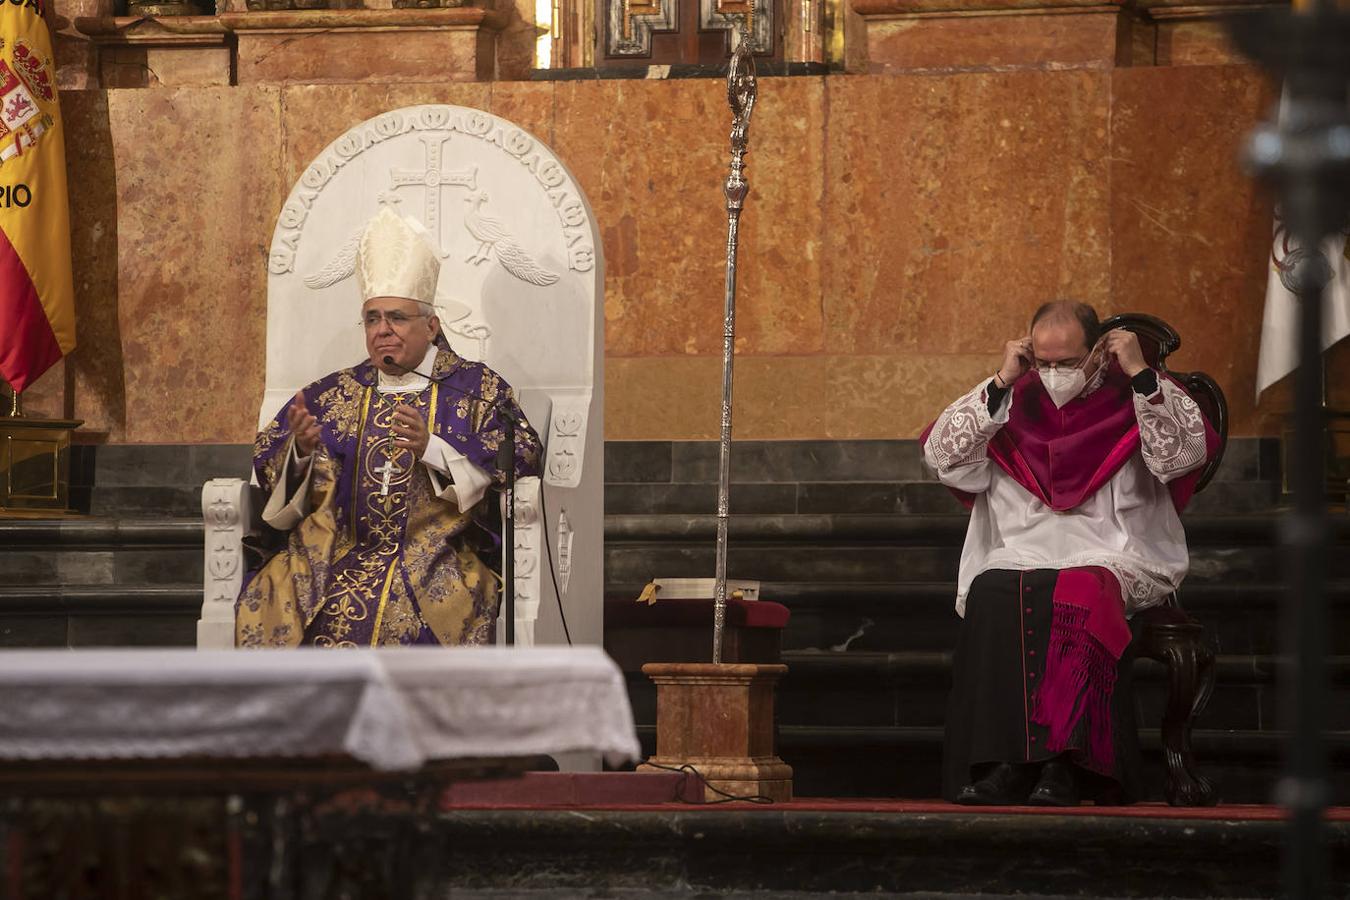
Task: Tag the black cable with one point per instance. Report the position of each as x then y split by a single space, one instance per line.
687 769
548 543
553 573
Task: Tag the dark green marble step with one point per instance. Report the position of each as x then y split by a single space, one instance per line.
1241 615
882 497
904 761
100 532
107 615
860 689
785 852
920 530
100 551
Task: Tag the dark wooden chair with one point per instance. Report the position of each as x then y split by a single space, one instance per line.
1167 633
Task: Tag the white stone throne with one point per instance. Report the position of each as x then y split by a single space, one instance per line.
521 289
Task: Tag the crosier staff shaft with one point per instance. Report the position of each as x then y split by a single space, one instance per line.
741 99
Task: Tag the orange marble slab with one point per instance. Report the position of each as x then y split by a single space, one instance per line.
170 247
958 204
527 103
1190 232
96 368
372 46
654 177
786 397
899 229
1038 39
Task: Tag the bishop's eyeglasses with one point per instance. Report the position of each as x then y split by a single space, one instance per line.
397 320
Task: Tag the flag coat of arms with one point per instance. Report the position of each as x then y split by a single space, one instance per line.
37 296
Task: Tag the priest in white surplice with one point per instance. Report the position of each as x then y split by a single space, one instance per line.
379 475
1075 459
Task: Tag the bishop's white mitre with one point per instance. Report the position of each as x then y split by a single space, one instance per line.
395 259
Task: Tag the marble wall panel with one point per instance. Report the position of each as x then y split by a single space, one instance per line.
97 375
180 64
949 43
515 42
899 230
1201 42
528 104
1190 233
654 175
345 55
649 156
821 396
957 204
173 191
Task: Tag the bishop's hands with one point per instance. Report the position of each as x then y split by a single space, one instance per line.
1017 361
303 426
411 430
1124 346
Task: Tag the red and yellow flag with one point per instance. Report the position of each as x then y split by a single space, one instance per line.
37 295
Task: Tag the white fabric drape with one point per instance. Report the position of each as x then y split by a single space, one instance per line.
393 709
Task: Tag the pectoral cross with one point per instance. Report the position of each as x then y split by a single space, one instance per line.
386 471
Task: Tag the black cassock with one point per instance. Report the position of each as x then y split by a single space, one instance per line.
996 711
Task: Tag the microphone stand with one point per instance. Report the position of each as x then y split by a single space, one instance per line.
506 462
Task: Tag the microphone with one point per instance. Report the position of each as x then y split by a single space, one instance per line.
501 410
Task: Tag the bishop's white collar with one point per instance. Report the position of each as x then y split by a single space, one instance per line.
408 381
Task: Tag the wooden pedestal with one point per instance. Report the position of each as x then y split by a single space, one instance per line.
719 719
35 466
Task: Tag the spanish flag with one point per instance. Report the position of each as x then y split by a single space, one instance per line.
37 295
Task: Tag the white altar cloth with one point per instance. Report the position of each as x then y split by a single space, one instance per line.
392 709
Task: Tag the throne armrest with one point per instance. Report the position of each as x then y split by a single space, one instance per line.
228 511
528 558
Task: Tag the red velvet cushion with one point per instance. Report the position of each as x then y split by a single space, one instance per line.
740 613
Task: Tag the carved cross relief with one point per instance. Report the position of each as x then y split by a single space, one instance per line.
434 177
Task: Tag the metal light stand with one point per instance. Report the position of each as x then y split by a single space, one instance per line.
1306 157
741 99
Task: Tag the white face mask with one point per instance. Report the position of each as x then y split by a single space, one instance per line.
1063 384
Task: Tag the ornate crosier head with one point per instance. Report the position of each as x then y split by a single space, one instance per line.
741 93
741 99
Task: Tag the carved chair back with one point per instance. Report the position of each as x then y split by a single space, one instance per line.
1159 340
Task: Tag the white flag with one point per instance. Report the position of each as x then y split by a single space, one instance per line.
1279 326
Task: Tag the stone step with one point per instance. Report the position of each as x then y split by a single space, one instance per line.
628 563
742 851
137 615
100 532
910 689
100 551
83 566
1241 616
870 497
920 530
905 761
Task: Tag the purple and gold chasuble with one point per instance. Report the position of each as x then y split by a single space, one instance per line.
380 559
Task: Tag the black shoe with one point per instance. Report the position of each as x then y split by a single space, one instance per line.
1007 785
1058 785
